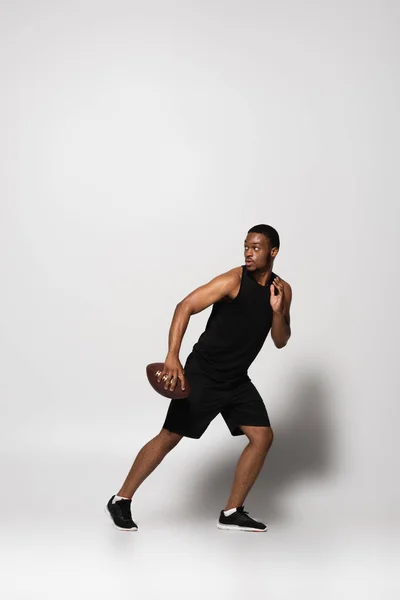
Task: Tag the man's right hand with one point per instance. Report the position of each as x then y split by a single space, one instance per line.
172 371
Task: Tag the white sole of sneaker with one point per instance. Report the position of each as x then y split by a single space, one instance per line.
237 528
116 526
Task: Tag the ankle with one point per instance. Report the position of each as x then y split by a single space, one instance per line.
125 496
230 512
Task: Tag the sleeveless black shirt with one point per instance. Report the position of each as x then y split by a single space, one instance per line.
236 331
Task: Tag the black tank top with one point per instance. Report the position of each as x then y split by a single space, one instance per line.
236 331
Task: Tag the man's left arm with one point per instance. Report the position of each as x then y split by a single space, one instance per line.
280 330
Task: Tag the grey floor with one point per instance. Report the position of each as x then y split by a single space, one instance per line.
57 541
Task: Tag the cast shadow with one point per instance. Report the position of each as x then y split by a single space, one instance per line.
303 448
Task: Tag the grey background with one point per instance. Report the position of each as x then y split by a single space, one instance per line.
140 141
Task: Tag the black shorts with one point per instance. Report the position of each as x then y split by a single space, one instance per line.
240 404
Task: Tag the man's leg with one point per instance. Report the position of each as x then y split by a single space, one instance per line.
147 460
250 463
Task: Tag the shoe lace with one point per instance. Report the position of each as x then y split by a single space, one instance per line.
242 511
124 507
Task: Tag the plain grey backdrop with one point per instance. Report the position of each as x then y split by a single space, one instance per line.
139 143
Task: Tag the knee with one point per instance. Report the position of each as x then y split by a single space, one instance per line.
169 439
270 437
262 438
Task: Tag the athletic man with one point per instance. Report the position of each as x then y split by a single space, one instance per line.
248 302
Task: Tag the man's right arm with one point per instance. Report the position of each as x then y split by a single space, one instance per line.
197 301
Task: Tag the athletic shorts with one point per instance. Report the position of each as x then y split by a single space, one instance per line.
240 404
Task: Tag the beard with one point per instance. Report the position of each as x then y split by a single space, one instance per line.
260 267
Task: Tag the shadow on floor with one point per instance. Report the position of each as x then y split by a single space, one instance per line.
303 448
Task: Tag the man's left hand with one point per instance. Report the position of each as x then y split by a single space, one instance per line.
277 302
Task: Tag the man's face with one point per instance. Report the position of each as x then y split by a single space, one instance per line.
257 252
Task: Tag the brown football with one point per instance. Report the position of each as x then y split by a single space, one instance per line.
153 371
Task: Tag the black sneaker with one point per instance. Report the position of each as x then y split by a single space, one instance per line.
120 513
240 521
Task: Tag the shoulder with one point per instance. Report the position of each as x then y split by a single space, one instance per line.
226 282
232 279
233 275
236 272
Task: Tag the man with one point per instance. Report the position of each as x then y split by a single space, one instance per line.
248 302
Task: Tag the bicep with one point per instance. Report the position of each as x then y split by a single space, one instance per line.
206 295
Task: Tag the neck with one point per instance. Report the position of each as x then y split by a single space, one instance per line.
262 275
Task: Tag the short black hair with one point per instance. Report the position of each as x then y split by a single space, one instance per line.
270 233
